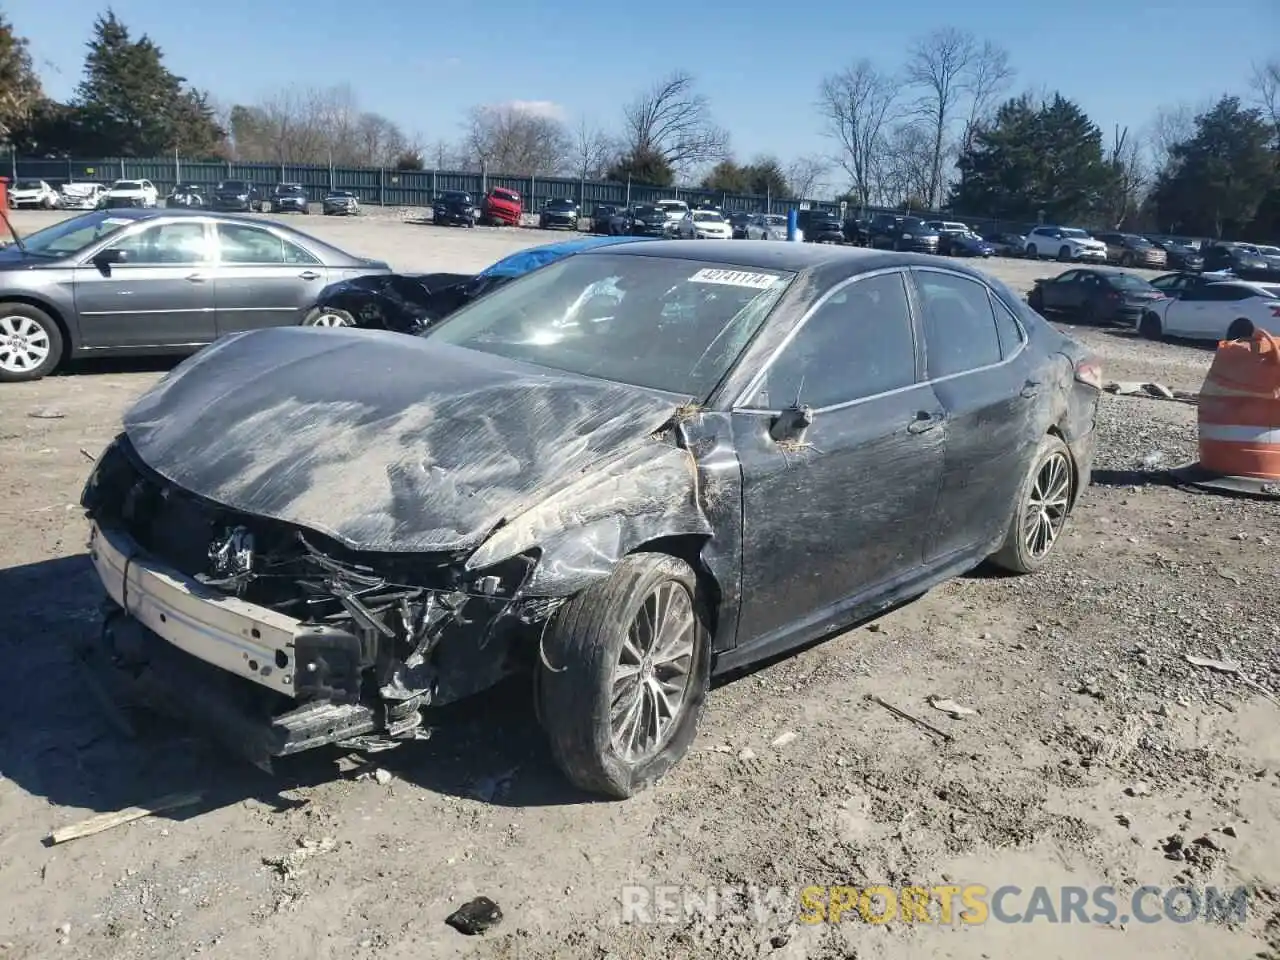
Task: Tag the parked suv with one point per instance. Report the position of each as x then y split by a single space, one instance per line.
236 195
820 226
648 220
502 207
559 212
289 196
1065 243
899 232
1129 250
454 206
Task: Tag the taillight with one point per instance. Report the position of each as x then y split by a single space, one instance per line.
1090 372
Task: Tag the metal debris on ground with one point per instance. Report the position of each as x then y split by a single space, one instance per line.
107 821
46 413
784 739
1134 388
950 707
476 916
923 724
1233 669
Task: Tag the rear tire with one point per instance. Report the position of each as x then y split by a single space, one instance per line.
1240 329
30 343
1040 514
597 669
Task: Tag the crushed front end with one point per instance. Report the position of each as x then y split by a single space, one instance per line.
276 639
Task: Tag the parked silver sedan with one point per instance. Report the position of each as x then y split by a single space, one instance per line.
146 281
766 226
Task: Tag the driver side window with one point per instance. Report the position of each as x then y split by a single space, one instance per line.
858 344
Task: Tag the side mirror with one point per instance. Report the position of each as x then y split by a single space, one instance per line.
109 256
791 425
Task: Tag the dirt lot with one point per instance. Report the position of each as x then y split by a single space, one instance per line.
1097 755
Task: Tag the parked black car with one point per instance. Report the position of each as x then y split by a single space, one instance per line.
648 220
1098 295
236 196
186 194
1006 244
889 231
609 220
288 197
626 472
820 226
559 213
454 207
857 231
1243 263
143 281
738 224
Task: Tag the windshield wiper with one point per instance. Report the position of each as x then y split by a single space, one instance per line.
14 233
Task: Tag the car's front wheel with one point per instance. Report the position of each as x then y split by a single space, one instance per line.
1032 253
624 675
1064 253
328 317
30 343
1040 514
1149 326
1240 329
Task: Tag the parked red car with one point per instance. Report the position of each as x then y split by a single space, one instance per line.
502 207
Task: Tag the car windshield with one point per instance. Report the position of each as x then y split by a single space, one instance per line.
27 185
71 236
1074 232
127 185
233 185
506 195
560 204
643 212
775 220
288 188
1139 242
911 223
667 324
706 217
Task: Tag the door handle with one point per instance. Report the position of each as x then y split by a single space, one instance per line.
1030 389
309 275
924 422
196 277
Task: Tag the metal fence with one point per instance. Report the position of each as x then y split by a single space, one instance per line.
417 188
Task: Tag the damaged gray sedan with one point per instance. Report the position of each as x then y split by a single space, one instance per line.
620 474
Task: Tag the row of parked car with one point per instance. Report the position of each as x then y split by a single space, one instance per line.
227 195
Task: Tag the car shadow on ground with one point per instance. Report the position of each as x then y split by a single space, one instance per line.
61 738
100 366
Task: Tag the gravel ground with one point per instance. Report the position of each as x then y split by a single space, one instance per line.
1097 755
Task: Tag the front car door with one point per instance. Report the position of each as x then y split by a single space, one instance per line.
264 279
995 400
838 518
1062 292
161 296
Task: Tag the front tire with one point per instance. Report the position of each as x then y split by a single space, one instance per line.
625 671
1041 511
1149 326
328 317
1240 329
1064 254
30 343
1032 254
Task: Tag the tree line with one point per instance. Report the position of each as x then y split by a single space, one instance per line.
942 129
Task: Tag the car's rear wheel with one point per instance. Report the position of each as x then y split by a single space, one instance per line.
1040 515
624 675
1240 329
30 343
1127 260
328 317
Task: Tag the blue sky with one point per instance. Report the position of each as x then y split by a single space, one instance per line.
424 64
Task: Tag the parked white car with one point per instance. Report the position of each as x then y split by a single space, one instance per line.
1064 243
32 193
704 225
82 195
1221 310
133 193
676 210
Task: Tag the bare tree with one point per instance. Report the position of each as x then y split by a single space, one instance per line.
300 124
1170 126
804 174
1266 90
938 64
907 165
1129 177
673 121
512 139
593 149
987 77
855 104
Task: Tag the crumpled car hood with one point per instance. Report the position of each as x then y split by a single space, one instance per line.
383 442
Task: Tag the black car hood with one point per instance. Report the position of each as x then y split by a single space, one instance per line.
383 442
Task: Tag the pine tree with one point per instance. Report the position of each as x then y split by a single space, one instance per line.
19 86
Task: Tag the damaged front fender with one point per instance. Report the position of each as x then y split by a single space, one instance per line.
583 529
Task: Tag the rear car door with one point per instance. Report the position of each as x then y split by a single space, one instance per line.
977 362
836 517
264 279
162 296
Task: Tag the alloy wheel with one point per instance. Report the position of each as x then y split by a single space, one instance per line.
651 678
24 344
328 318
1046 510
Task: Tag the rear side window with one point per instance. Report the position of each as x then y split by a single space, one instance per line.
1007 328
858 344
959 324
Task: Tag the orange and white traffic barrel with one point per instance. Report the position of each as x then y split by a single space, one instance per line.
1239 419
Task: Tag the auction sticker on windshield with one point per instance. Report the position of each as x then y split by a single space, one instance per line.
736 278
